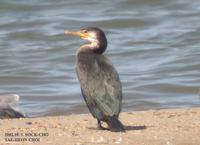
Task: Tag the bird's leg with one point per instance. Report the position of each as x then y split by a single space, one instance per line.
100 126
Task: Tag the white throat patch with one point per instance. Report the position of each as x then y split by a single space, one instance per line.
92 37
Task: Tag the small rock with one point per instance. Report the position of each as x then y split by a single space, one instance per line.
118 141
59 134
101 139
29 123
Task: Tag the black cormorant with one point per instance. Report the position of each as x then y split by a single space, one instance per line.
99 81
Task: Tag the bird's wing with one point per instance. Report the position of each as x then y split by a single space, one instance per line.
101 88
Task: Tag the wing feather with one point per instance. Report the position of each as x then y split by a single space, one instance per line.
100 85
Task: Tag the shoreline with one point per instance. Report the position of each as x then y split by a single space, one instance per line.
151 127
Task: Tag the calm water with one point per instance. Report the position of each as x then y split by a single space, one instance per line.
154 45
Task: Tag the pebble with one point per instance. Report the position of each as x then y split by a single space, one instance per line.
118 141
29 123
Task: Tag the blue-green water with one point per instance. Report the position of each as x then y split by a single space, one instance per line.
154 45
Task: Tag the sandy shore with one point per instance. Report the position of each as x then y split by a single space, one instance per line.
153 127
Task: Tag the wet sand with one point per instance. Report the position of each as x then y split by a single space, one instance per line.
152 127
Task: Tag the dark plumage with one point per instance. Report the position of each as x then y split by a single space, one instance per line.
6 113
99 81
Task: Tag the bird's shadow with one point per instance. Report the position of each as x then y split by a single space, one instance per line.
141 127
127 128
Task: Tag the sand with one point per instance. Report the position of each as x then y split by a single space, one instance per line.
152 127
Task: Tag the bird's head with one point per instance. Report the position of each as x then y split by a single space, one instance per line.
94 35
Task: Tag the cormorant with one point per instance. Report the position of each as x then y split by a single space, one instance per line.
99 81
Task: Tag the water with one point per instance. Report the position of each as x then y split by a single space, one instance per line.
153 44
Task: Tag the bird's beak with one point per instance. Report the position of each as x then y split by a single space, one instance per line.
83 35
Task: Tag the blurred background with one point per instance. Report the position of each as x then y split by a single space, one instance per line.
154 45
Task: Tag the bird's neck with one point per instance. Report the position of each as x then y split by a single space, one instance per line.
93 47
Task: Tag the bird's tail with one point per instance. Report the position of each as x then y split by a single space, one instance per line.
114 124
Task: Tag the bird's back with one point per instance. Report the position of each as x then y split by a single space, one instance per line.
100 84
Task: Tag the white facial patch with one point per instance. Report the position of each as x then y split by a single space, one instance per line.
92 37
